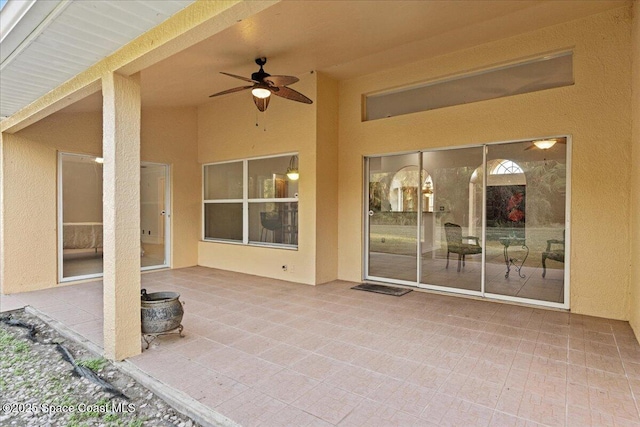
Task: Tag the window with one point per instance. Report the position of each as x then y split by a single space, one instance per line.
506 167
547 72
251 201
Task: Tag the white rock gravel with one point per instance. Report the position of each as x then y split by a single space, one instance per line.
38 388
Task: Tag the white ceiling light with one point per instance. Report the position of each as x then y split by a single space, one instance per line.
260 92
545 144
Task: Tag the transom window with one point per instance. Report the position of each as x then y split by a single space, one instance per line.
251 201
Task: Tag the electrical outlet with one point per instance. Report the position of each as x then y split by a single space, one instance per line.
284 267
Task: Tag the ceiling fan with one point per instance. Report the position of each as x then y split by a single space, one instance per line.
545 144
264 84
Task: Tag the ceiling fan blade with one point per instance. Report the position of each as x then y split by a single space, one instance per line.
235 89
281 80
288 93
531 147
261 103
239 77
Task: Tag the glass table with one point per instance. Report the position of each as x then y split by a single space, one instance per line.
516 263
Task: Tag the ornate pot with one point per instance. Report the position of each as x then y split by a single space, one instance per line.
161 312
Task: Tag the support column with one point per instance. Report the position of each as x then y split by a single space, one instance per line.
121 215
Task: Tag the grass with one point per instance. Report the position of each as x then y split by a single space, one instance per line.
94 364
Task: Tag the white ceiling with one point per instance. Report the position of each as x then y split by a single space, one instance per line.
54 40
342 38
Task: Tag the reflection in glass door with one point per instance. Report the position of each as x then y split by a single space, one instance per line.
489 220
80 237
451 254
526 217
154 218
79 217
394 191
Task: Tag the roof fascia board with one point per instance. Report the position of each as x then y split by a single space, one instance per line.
198 21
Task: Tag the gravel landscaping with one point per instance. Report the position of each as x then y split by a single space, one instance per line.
38 387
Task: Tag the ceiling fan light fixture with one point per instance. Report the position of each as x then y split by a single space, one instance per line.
545 144
292 171
261 92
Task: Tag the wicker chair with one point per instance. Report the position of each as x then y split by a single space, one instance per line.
455 244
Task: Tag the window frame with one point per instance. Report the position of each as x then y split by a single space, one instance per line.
245 201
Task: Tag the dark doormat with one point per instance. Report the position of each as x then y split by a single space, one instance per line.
382 289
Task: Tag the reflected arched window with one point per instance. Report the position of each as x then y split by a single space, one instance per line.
506 167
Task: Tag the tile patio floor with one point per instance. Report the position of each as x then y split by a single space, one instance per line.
264 352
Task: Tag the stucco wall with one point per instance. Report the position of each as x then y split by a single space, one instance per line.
169 135
226 131
634 316
30 192
327 180
595 111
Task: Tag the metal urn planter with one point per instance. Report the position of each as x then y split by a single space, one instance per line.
161 314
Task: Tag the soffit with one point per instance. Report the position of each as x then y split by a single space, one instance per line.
57 39
346 39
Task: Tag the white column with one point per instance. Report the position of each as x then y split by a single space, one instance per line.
121 215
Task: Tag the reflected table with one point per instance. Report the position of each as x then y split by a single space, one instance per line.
515 262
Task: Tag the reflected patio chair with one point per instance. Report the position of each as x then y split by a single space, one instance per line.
556 254
271 222
455 244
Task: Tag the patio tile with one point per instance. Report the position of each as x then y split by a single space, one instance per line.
290 416
251 408
317 366
444 410
286 385
500 419
356 380
537 408
369 413
403 396
250 370
254 344
329 403
196 348
271 353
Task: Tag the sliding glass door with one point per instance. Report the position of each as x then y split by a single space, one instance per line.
392 218
489 220
451 254
79 216
80 240
526 221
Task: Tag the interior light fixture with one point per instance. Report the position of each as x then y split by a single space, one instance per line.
545 144
260 92
292 171
99 160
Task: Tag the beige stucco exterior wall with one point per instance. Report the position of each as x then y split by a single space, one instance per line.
327 180
595 111
227 131
634 315
169 135
30 193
